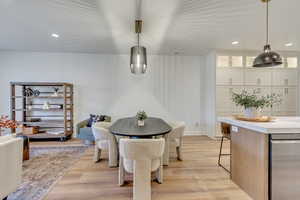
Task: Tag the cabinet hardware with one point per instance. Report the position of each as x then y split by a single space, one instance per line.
230 81
286 91
258 81
286 81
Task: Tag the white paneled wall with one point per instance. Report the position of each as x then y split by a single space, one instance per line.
170 89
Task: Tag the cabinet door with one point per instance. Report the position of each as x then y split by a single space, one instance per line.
236 109
285 77
257 77
232 76
223 99
289 101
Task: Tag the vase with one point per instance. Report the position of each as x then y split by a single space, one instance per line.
141 122
251 112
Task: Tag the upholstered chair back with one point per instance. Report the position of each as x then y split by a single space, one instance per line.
142 149
140 157
101 130
177 129
11 154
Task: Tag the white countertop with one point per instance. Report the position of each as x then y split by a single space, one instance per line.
277 126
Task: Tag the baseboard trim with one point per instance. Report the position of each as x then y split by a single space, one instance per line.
193 133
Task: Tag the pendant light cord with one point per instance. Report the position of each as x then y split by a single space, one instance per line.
138 39
267 22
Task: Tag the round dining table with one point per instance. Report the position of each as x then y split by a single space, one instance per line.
153 127
128 127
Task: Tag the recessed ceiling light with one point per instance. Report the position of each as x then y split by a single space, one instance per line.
55 35
289 44
235 42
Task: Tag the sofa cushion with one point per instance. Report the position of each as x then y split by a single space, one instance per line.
96 118
86 134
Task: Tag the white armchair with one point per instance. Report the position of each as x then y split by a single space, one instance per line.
11 152
174 141
141 157
105 140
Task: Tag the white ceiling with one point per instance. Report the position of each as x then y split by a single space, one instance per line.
185 26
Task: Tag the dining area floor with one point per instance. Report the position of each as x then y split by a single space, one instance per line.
197 177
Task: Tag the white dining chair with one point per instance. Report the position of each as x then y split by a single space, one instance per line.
141 157
174 140
104 140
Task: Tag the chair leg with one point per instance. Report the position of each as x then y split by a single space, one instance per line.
166 155
159 173
142 180
220 154
97 154
179 155
113 153
121 172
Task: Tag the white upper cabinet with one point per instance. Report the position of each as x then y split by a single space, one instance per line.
258 77
223 61
229 76
285 77
237 61
289 100
223 99
291 62
249 61
230 61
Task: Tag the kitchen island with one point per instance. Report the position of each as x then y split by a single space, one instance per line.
265 157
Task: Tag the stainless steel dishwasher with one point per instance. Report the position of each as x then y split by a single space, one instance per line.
285 167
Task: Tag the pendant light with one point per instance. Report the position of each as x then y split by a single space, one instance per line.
268 58
138 54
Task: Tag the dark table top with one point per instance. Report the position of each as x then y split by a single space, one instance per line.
128 127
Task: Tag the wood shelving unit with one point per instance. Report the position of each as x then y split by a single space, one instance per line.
55 122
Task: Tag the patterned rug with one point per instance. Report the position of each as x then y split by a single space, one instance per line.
45 167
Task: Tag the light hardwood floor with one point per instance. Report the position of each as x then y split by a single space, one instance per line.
197 177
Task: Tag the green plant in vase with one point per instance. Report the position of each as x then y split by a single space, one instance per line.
141 116
253 103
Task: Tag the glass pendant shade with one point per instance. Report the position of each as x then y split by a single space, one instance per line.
268 58
138 60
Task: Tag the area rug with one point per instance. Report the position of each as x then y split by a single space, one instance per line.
45 167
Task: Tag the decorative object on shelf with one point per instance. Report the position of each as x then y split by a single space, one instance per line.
30 105
35 120
30 130
138 54
268 58
253 103
141 116
28 92
6 123
36 93
46 105
56 92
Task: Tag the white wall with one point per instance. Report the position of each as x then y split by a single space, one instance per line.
172 87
